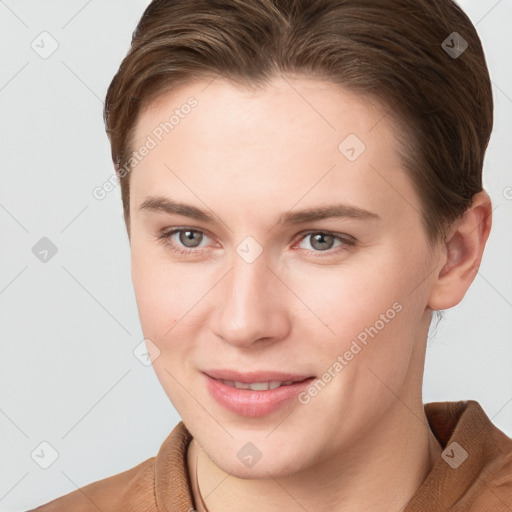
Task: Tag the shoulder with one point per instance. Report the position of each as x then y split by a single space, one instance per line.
491 490
162 479
129 490
475 469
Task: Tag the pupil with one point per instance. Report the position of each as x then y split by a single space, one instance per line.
188 236
322 241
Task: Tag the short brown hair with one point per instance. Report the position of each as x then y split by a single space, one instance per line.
391 50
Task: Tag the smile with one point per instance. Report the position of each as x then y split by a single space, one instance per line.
256 397
256 386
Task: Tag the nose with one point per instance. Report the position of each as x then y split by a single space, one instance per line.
251 305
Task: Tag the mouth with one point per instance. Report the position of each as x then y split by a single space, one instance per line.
254 394
257 386
262 376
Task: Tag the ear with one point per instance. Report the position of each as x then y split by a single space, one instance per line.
461 254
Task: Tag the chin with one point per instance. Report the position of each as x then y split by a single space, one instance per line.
263 469
257 459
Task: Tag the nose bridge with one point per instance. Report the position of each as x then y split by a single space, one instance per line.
248 309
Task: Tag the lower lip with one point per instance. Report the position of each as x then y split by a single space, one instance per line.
250 403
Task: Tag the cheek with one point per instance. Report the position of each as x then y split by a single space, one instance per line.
376 322
164 293
165 296
365 309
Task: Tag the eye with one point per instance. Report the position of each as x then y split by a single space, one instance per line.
183 240
323 241
189 237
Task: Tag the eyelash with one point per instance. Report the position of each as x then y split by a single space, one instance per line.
164 238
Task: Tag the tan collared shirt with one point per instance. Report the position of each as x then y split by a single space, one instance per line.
473 474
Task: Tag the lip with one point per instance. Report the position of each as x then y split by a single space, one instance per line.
255 376
253 403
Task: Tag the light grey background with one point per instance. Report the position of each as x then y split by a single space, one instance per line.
68 375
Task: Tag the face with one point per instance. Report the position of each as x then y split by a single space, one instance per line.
276 237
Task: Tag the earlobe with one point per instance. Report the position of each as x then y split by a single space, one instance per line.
462 254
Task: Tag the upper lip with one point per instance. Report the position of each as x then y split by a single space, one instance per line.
255 376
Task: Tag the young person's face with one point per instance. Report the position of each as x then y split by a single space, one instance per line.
254 294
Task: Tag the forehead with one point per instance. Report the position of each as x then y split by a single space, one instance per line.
284 110
280 141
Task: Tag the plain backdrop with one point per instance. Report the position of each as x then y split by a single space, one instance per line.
69 325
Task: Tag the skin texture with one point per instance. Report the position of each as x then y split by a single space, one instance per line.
246 157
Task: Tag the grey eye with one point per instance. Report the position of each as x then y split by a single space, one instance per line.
190 238
321 241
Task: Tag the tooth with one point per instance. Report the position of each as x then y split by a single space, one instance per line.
241 385
259 386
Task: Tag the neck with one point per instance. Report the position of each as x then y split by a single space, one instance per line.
380 473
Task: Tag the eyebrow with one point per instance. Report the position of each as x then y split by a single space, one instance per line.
166 205
163 204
